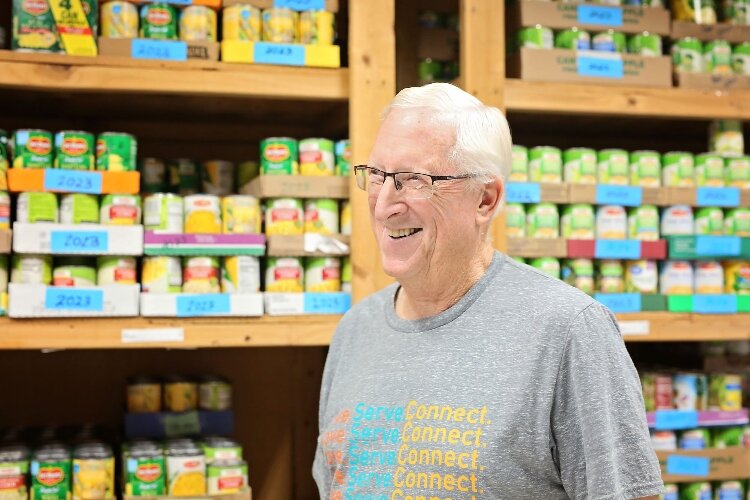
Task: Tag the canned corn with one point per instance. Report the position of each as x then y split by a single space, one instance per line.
163 212
74 150
611 222
580 166
31 269
321 216
79 209
202 214
545 164
709 221
120 209
542 221
346 218
32 148
577 222
322 274
737 222
613 167
200 275
284 275
115 270
678 169
579 273
198 23
284 216
241 214
643 223
74 271
737 172
717 57
316 157
119 20
116 152
240 274
280 25
316 27
241 22
610 276
278 156
515 220
709 170
737 277
645 169
536 37
161 274
519 170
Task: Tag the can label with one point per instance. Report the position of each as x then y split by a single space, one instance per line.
545 165
645 169
316 27
37 207
643 223
161 275
202 214
725 392
515 220
687 55
611 222
645 44
709 170
614 167
74 150
321 216
278 156
240 274
316 157
578 222
119 20
284 216
609 41
198 23
163 212
641 276
146 476
690 391
79 209
573 39
121 209
537 37
519 171
323 274
543 221
159 21
343 158
200 275
116 152
280 25
580 166
284 275
51 480
678 170
717 57
709 221
241 22
32 149
241 214
34 27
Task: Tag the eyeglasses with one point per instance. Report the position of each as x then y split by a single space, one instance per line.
413 185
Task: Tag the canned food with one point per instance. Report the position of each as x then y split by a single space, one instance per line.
725 392
671 492
4 160
664 441
346 275
709 221
34 27
429 71
580 166
695 439
241 22
542 221
154 176
218 177
186 469
163 212
119 20
645 44
184 176
158 21
536 37
641 276
677 220
573 39
116 270
515 220
690 391
678 169
36 207
75 272
717 57
322 274
737 172
578 222
519 170
215 394
346 218
737 222
737 12
280 25
91 9
709 170
51 472
116 151
180 394
14 470
657 391
316 157
727 437
741 57
610 276
198 23
316 27
226 477
725 137
120 209
321 216
278 156
161 275
547 265
144 395
32 148
643 223
200 275
93 471
145 471
31 269
611 222
609 41
220 448
343 152
709 277
696 491
202 214
687 55
241 214
727 490
4 273
4 210
284 275
579 273
613 167
737 277
645 169
240 274
676 278
545 164
284 216
79 209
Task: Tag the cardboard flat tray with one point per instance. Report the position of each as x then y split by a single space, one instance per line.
724 464
77 239
308 245
297 186
41 301
6 236
127 47
708 32
713 82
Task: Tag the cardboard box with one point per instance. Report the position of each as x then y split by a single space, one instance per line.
558 15
532 247
77 239
297 186
713 82
246 495
710 418
6 235
681 196
187 305
560 65
655 196
168 425
587 249
283 54
308 245
41 301
330 5
709 32
124 47
439 44
725 464
713 247
555 193
294 304
48 179
158 243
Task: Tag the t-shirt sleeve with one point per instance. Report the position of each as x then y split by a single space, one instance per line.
600 438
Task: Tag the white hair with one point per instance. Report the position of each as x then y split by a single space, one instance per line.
483 145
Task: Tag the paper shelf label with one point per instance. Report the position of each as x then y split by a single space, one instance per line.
300 4
149 335
709 246
715 304
166 50
637 327
327 303
182 424
620 302
203 304
668 420
688 466
279 53
718 197
72 299
601 67
617 249
523 192
79 241
603 16
72 181
628 196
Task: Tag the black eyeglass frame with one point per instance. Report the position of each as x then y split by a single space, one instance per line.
433 178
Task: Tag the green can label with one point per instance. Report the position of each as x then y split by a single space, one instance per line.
545 164
737 222
343 158
709 221
543 221
34 27
74 150
580 166
159 21
609 41
519 170
573 39
645 44
515 220
578 222
116 152
678 169
279 156
145 476
429 71
709 170
537 37
614 167
32 149
717 57
687 55
741 58
50 480
645 169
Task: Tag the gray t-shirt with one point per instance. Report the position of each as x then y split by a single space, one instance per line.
521 390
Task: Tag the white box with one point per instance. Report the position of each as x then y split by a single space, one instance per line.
294 304
186 305
42 301
77 239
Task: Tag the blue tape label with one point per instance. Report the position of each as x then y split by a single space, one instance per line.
617 249
167 50
601 67
621 302
603 16
300 4
279 53
72 181
79 241
670 420
523 192
715 304
203 304
73 299
327 303
628 196
724 246
718 197
688 466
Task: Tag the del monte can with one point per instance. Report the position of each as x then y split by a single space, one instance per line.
32 148
278 156
159 21
74 150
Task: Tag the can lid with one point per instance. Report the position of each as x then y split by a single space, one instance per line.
227 462
52 451
93 450
14 453
213 378
143 380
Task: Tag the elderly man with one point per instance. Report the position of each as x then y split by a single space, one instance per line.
474 376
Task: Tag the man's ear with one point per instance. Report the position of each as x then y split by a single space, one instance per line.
492 196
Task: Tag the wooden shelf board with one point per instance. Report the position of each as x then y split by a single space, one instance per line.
199 332
56 72
591 99
673 327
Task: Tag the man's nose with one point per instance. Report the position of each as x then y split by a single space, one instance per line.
389 200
